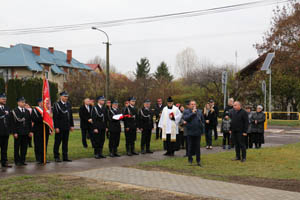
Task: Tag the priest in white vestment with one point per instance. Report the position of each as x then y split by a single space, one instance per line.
168 122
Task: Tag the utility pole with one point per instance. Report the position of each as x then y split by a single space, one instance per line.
107 78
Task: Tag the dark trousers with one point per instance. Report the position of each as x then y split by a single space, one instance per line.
84 134
99 139
30 141
215 132
208 136
181 140
146 139
20 148
114 141
170 145
239 143
61 137
258 139
158 132
194 147
130 137
249 140
3 147
186 145
226 138
38 138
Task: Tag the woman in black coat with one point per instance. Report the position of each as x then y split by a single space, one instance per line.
209 117
257 126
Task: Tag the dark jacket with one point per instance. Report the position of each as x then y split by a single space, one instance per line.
4 121
145 119
37 119
20 122
259 127
228 109
195 122
216 108
99 117
113 125
62 116
131 123
211 118
85 115
158 111
239 121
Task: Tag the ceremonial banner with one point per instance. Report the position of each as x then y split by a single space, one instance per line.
47 112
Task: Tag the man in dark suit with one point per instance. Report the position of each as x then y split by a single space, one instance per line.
38 132
21 129
130 125
146 126
114 127
99 117
238 129
158 110
86 122
4 130
63 124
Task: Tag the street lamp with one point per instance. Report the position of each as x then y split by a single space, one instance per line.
107 61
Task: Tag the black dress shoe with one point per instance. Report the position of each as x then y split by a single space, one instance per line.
18 164
96 157
67 160
134 153
243 160
6 165
57 160
129 154
143 152
111 155
23 163
148 151
116 155
166 154
101 156
199 164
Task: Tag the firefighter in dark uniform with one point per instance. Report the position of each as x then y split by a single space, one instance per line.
63 124
21 129
114 128
146 126
99 117
130 125
158 110
4 130
38 132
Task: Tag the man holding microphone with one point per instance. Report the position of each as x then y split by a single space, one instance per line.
195 128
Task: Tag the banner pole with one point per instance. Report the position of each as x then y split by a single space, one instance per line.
44 143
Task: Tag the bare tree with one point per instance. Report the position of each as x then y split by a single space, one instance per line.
186 61
102 63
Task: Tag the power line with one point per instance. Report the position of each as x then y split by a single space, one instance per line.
139 20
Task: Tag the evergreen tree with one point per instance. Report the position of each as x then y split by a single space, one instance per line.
162 72
143 69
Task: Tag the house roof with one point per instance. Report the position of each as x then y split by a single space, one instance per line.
253 66
94 66
2 49
21 55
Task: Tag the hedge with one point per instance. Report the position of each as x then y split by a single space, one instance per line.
30 89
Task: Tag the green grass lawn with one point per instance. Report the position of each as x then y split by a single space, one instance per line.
275 163
76 150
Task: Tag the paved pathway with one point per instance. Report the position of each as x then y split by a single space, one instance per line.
187 184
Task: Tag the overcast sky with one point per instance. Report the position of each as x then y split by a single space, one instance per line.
215 37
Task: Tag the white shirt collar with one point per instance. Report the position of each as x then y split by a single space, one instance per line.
100 105
62 102
21 109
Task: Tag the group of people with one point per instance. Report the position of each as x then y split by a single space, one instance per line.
178 126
